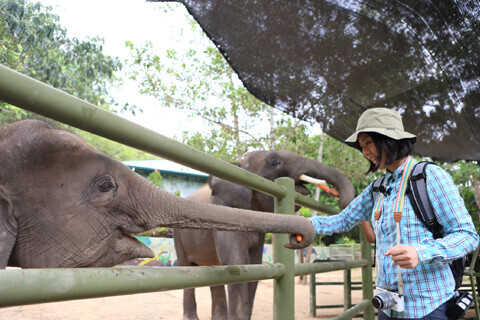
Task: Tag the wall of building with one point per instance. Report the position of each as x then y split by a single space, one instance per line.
165 254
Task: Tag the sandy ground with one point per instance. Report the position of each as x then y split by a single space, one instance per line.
168 305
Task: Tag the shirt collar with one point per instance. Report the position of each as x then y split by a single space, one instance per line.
397 174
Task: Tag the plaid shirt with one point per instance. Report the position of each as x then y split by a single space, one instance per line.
431 283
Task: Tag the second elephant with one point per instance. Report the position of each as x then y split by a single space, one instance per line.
207 247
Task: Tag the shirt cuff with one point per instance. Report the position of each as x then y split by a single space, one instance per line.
425 254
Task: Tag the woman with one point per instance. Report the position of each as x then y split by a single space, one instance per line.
413 264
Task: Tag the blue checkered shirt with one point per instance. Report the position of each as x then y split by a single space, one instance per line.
430 283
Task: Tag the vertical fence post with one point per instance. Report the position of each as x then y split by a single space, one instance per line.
284 288
347 289
367 278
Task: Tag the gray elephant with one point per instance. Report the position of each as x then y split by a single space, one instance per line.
62 204
206 247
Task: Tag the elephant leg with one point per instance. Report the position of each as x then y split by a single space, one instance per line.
233 249
256 255
238 302
189 305
219 302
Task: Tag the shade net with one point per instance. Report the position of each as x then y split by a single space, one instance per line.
328 61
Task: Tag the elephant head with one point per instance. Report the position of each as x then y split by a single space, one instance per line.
62 204
272 165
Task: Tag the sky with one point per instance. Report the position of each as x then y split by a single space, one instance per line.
138 21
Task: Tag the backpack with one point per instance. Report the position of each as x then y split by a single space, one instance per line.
417 193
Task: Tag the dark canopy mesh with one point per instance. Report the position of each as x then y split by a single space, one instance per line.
328 61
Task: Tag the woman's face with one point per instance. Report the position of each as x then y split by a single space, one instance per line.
369 150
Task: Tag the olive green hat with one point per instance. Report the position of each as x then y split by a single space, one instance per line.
385 121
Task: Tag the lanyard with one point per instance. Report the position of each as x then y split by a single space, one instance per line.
397 214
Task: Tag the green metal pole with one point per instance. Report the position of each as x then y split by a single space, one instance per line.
309 268
367 277
284 288
313 295
352 312
347 289
28 286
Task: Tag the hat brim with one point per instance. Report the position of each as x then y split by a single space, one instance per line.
394 134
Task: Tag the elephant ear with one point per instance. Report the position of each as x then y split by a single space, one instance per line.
229 194
8 227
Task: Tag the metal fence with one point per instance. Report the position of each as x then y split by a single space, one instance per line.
28 286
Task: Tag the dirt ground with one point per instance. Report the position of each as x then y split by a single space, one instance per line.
168 305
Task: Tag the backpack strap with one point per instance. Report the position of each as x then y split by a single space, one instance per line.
377 187
417 193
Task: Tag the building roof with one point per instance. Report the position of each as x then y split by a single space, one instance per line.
164 166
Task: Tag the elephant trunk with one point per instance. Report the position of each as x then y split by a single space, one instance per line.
175 212
334 177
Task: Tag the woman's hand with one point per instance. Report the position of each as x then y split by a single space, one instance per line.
403 256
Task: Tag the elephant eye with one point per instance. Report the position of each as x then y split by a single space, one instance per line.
106 185
275 162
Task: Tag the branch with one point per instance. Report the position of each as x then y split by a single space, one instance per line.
291 133
476 191
223 125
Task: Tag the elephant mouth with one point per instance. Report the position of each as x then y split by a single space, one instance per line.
322 184
138 248
303 180
302 189
308 179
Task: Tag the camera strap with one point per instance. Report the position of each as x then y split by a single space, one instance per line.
397 215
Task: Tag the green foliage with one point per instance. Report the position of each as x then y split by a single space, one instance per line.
345 240
10 113
268 238
156 178
305 212
113 149
34 43
463 174
203 84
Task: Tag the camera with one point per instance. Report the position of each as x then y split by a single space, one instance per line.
386 299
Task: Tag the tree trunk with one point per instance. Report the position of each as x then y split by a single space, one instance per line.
476 191
272 129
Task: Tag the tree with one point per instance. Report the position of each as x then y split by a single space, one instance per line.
202 83
466 175
33 42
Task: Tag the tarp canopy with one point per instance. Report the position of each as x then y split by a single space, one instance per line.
328 61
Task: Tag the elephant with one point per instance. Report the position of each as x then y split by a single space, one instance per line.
208 247
65 205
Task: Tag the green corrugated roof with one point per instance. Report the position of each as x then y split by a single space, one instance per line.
164 166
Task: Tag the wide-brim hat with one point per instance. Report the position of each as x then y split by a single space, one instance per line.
385 121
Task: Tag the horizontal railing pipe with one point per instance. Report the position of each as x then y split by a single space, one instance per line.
28 286
32 95
353 311
315 205
303 269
